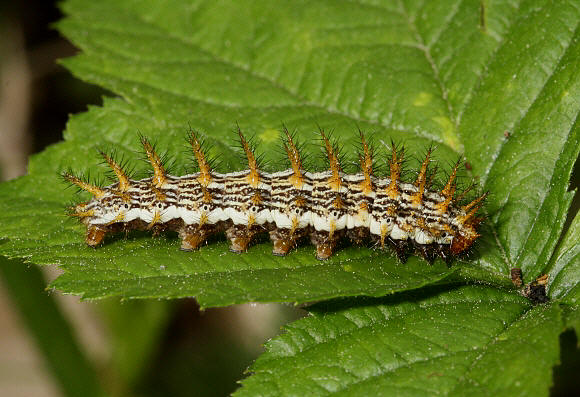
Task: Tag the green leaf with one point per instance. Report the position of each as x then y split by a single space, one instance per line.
486 80
218 277
468 341
571 315
565 269
526 110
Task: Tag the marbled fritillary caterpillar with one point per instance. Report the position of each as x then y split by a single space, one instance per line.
290 205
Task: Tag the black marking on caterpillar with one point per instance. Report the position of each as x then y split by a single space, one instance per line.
290 205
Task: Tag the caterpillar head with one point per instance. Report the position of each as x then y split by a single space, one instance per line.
465 237
467 224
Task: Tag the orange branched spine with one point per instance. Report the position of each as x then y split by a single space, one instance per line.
204 168
92 189
366 165
449 190
159 175
475 202
81 214
333 161
395 165
417 198
471 209
290 205
124 183
254 176
295 160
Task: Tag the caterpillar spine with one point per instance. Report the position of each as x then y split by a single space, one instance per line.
290 205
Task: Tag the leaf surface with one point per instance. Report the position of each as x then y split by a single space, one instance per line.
487 81
467 341
565 269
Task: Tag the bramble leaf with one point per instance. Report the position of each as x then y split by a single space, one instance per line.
496 82
565 270
467 341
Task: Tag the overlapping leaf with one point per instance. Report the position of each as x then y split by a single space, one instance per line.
497 82
460 342
565 269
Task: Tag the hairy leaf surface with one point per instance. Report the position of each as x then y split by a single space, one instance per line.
496 82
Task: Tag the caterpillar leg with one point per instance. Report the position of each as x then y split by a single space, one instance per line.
325 242
427 251
358 235
95 235
285 239
241 236
400 247
193 236
444 253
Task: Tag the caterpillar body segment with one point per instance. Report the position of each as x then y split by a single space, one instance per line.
290 205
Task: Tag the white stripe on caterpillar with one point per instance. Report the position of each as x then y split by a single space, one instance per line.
290 205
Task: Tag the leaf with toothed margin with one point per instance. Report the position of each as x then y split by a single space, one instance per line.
467 341
565 266
488 82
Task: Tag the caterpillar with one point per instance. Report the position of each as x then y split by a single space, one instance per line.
290 205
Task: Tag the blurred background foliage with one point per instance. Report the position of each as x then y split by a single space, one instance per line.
131 348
